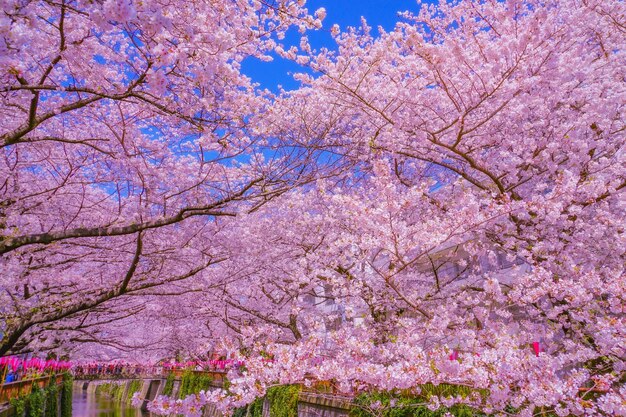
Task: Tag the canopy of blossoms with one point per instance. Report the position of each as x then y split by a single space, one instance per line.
438 203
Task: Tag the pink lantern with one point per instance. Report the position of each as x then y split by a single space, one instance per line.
536 348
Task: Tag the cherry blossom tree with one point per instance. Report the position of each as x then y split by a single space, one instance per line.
441 203
127 131
480 238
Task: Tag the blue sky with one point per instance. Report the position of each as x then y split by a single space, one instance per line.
343 12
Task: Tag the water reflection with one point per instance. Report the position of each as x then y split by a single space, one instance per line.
91 405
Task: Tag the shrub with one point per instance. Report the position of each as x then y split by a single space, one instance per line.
193 383
283 400
20 406
169 385
52 400
118 391
66 396
410 405
256 407
134 386
36 402
240 412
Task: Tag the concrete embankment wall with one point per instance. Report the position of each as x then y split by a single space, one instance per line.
309 404
148 388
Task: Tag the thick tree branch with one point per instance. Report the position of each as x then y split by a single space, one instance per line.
214 209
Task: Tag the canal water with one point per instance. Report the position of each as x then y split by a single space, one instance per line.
86 404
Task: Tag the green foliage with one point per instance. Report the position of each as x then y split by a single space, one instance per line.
105 389
256 407
20 406
410 405
134 386
193 383
240 412
226 384
111 389
118 392
201 383
44 402
169 385
52 400
283 400
66 396
183 391
36 403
